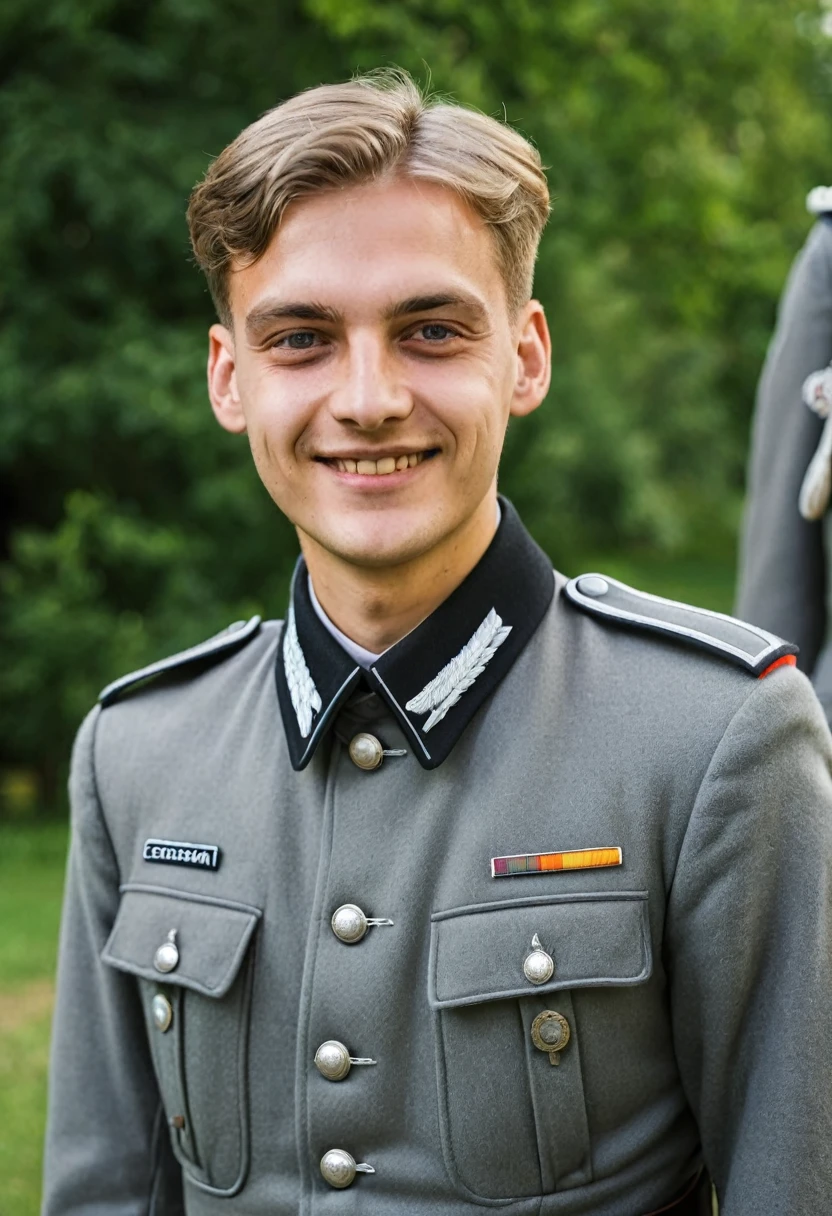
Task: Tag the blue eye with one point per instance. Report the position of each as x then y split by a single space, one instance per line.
300 341
436 333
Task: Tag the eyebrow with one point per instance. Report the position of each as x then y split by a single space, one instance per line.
273 310
405 308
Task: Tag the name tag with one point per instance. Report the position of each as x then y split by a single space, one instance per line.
182 853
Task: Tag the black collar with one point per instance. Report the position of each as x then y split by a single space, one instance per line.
435 679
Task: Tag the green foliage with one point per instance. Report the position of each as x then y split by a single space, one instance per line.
681 138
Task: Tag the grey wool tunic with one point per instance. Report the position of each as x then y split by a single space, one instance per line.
694 978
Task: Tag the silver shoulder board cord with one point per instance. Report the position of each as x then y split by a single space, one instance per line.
745 645
230 639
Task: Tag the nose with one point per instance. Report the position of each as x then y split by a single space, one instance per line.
371 392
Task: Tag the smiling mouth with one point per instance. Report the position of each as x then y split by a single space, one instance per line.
383 467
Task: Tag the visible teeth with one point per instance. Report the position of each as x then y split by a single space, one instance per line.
379 468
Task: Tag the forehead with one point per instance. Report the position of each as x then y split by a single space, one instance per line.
360 249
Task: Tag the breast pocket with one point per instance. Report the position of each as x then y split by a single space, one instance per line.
193 956
512 1103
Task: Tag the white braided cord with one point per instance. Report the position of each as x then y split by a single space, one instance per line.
306 699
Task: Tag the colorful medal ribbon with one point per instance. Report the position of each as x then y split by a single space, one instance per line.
544 863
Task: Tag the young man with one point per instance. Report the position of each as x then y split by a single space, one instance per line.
465 887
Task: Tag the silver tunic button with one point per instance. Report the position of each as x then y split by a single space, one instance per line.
340 1167
162 1012
334 1062
538 967
366 752
166 957
349 924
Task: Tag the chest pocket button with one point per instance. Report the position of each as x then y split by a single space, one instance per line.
538 967
166 957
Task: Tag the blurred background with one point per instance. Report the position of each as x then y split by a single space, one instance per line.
680 137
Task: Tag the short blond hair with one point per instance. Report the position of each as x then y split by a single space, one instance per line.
345 134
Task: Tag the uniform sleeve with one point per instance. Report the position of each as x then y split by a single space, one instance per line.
782 583
749 954
107 1148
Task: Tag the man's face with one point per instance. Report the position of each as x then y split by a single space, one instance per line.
374 364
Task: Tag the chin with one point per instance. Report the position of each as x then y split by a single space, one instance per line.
380 541
375 556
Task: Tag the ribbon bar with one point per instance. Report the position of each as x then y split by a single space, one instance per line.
544 863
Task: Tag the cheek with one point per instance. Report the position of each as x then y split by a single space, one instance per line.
262 455
276 416
260 447
273 439
275 462
471 401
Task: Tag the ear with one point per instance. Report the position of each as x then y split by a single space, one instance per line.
534 360
222 381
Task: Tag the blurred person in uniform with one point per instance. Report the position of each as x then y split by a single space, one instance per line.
785 578
467 886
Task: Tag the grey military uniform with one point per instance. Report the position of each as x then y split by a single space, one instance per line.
693 978
785 571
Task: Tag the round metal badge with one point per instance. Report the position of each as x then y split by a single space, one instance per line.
551 1033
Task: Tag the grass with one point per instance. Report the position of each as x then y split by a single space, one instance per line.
23 1065
32 861
31 883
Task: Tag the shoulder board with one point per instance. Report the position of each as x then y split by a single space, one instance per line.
746 645
232 638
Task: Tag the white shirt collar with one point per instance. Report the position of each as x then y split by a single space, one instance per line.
364 658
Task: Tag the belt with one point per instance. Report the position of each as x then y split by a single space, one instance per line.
695 1200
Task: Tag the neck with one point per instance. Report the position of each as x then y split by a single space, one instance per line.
377 607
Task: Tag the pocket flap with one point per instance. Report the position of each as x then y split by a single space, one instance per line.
596 939
212 937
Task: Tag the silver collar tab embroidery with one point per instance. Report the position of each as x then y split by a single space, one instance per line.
456 677
306 699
